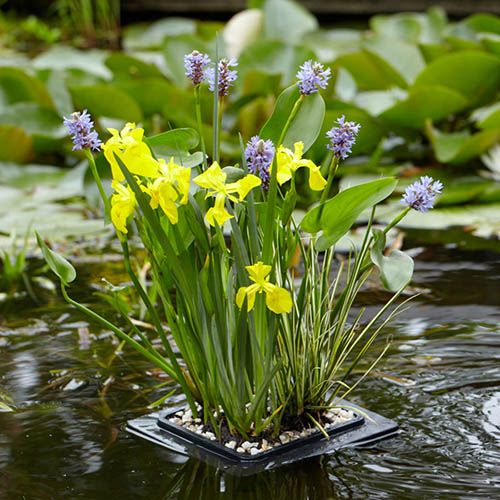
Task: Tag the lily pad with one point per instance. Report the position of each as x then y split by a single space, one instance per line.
106 100
474 74
287 21
15 144
423 103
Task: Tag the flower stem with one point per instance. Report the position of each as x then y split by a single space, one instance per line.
332 170
200 124
97 178
396 220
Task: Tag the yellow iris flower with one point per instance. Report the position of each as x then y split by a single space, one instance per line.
278 299
288 162
132 151
214 179
170 188
123 204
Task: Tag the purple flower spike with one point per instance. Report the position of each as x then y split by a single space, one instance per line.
421 194
81 128
343 137
195 64
226 76
259 154
311 76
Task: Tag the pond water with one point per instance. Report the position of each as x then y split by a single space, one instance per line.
440 381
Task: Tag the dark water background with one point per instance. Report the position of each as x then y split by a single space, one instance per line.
440 381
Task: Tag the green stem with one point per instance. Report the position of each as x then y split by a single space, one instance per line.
156 321
219 128
97 178
200 125
156 359
387 228
332 170
273 189
396 220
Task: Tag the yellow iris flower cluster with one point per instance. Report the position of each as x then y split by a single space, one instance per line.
167 183
278 299
214 180
289 162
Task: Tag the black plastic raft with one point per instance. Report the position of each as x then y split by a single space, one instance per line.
364 429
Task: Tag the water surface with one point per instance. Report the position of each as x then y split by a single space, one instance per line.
72 392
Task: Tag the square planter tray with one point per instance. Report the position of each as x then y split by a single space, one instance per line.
365 429
224 452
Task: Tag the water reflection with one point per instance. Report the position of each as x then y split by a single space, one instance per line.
440 381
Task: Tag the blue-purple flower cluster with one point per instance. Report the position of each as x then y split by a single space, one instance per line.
343 137
421 195
195 65
81 128
311 76
259 155
226 76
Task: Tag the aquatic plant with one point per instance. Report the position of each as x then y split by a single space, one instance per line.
259 312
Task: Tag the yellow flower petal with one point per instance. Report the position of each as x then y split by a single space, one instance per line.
123 204
250 293
246 184
134 153
316 181
284 165
213 178
218 213
240 296
183 178
278 300
258 272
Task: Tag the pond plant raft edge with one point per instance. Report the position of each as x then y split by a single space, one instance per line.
366 428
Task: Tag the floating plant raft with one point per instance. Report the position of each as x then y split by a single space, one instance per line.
176 430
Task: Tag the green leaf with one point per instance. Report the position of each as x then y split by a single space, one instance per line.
376 102
64 58
307 123
153 100
395 269
484 23
15 144
17 86
405 58
136 37
126 66
270 57
474 74
34 119
370 71
422 103
287 20
460 147
106 100
487 117
58 264
56 85
336 216
174 142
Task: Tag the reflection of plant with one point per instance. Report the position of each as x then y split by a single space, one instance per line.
13 267
258 342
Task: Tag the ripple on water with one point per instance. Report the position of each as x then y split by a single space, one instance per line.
440 381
